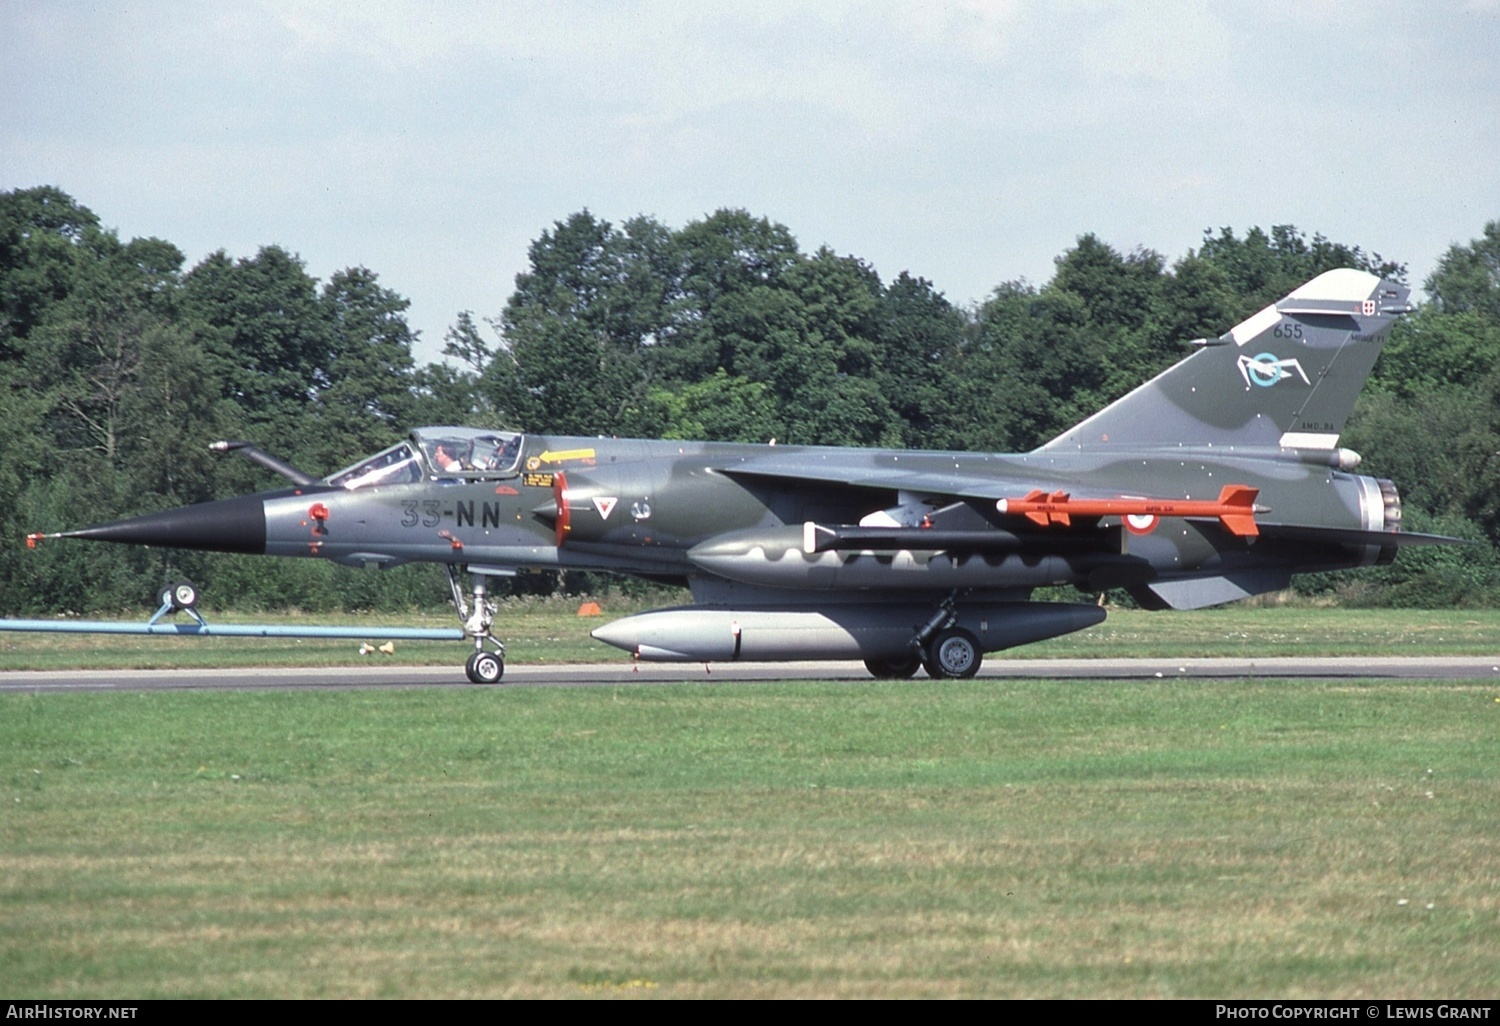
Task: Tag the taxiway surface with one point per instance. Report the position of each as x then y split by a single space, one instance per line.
626 673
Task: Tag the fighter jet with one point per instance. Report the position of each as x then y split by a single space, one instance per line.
1218 479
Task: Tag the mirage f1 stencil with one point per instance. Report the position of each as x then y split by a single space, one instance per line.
1265 370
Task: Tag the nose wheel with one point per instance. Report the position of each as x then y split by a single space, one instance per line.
485 667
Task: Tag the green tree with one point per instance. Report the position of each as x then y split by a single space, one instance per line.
263 323
42 232
1453 340
1119 294
920 339
1467 278
1433 421
369 397
821 365
1196 300
1045 372
576 328
728 296
447 394
1262 267
719 408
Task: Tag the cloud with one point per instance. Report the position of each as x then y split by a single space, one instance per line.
968 141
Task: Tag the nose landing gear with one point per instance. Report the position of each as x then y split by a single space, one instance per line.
484 666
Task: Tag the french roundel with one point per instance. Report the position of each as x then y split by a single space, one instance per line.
1140 523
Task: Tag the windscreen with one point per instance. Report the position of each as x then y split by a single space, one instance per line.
396 465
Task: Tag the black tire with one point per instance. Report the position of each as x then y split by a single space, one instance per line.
485 668
898 667
184 595
953 654
178 595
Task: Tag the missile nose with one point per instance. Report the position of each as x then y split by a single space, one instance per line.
228 525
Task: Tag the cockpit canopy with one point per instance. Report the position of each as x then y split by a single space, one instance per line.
437 452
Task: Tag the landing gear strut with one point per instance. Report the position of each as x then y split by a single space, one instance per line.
178 597
483 667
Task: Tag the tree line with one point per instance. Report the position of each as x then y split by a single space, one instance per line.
118 364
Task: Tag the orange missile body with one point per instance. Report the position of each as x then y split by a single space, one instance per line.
1235 509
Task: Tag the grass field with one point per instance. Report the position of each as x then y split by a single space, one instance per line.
550 631
1164 839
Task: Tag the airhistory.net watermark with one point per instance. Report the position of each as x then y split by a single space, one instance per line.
50 1010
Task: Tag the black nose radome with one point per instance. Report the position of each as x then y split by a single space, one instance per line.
229 525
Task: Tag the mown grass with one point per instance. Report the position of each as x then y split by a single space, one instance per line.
1285 630
551 631
1167 838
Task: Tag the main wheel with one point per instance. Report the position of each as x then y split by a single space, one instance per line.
953 653
894 667
485 668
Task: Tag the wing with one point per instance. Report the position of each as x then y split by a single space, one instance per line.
1235 507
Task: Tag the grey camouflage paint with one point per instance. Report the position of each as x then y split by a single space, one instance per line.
1262 405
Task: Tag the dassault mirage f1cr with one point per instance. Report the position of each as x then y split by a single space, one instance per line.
1218 479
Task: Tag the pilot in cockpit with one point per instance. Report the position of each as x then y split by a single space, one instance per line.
444 459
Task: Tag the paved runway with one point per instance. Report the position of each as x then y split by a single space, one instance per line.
624 673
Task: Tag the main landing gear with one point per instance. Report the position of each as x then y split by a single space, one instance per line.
486 665
898 667
952 653
944 650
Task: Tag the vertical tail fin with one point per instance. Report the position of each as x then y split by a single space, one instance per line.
1286 377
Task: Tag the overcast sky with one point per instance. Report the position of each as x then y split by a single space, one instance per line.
967 142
